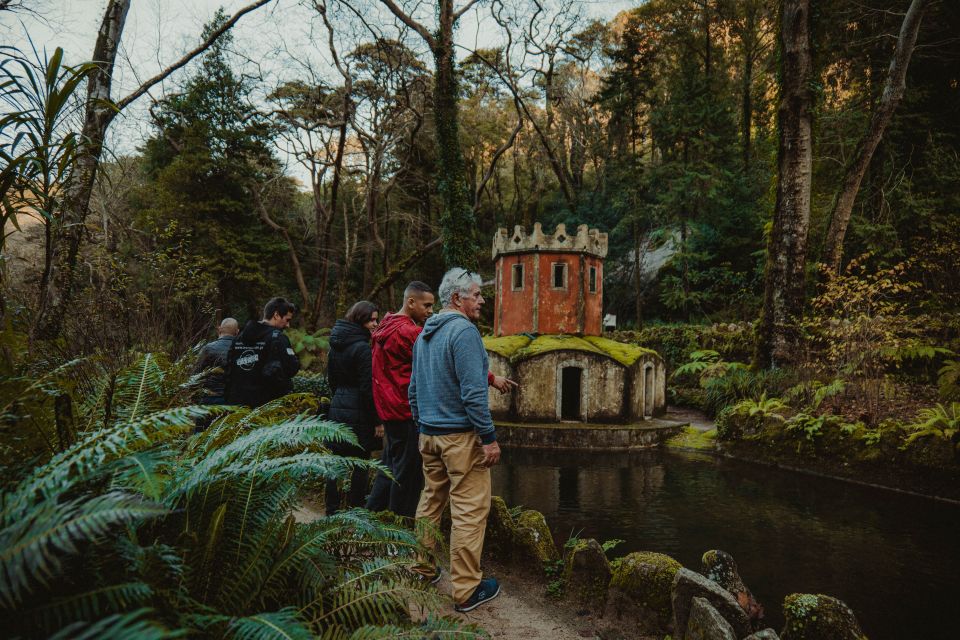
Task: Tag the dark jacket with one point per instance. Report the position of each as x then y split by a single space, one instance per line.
214 354
260 366
349 376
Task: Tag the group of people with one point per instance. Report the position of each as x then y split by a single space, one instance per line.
414 385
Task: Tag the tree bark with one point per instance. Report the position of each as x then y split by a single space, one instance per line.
456 219
787 246
100 110
889 100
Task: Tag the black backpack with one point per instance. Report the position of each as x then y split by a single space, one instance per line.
254 373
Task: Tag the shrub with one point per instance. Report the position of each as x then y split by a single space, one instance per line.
939 421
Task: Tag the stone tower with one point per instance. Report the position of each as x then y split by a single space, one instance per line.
549 284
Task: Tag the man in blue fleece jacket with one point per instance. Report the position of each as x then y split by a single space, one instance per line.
458 443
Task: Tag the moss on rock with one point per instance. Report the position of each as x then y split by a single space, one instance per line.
499 539
534 542
644 579
819 617
586 574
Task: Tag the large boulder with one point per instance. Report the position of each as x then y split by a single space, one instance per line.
688 585
818 617
534 545
640 584
705 623
586 575
720 567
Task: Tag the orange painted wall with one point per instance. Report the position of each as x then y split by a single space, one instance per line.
514 309
543 308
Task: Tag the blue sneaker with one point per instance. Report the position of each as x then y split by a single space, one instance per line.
487 590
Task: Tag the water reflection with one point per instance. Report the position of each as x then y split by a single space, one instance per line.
893 558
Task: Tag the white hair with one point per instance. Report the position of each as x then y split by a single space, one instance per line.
457 280
229 326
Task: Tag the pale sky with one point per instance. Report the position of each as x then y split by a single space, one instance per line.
273 42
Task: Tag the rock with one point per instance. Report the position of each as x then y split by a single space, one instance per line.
720 567
643 580
534 545
819 617
766 634
689 584
586 574
705 623
499 538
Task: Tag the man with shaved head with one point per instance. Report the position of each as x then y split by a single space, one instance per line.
213 355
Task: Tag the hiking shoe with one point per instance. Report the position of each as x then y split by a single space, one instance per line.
487 590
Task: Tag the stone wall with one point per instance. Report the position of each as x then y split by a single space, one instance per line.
602 385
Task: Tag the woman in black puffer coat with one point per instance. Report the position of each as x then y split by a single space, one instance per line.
349 375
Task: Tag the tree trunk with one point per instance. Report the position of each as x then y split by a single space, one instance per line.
456 220
787 246
747 107
892 94
56 290
100 111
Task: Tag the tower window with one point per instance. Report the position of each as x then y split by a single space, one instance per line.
593 279
559 275
517 277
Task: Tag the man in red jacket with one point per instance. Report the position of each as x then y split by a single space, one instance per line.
392 363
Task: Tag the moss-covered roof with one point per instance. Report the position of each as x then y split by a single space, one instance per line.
506 346
521 347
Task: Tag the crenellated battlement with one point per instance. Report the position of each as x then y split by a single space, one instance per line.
588 241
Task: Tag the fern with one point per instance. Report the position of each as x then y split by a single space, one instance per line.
939 421
32 544
948 380
278 625
117 626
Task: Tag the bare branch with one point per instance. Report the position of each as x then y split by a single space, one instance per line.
203 46
410 22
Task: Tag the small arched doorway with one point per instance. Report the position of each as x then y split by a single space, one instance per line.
648 391
571 391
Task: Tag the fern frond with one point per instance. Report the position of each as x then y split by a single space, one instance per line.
31 547
285 624
90 605
91 454
135 624
441 628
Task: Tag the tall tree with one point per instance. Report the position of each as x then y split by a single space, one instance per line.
457 219
99 113
893 89
787 246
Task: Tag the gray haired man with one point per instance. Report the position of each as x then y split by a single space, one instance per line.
458 443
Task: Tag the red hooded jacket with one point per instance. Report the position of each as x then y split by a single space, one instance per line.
392 363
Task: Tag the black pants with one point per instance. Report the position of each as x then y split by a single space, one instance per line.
401 454
359 478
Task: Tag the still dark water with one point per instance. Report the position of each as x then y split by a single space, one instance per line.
894 559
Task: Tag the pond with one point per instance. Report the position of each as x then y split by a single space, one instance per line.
894 558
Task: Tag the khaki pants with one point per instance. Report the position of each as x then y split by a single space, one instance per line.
453 468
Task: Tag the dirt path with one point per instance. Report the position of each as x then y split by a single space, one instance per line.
522 611
697 419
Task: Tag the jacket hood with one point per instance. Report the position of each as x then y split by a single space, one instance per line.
438 320
254 331
391 324
346 333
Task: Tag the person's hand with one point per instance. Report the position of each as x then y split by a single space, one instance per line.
378 431
503 385
491 454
